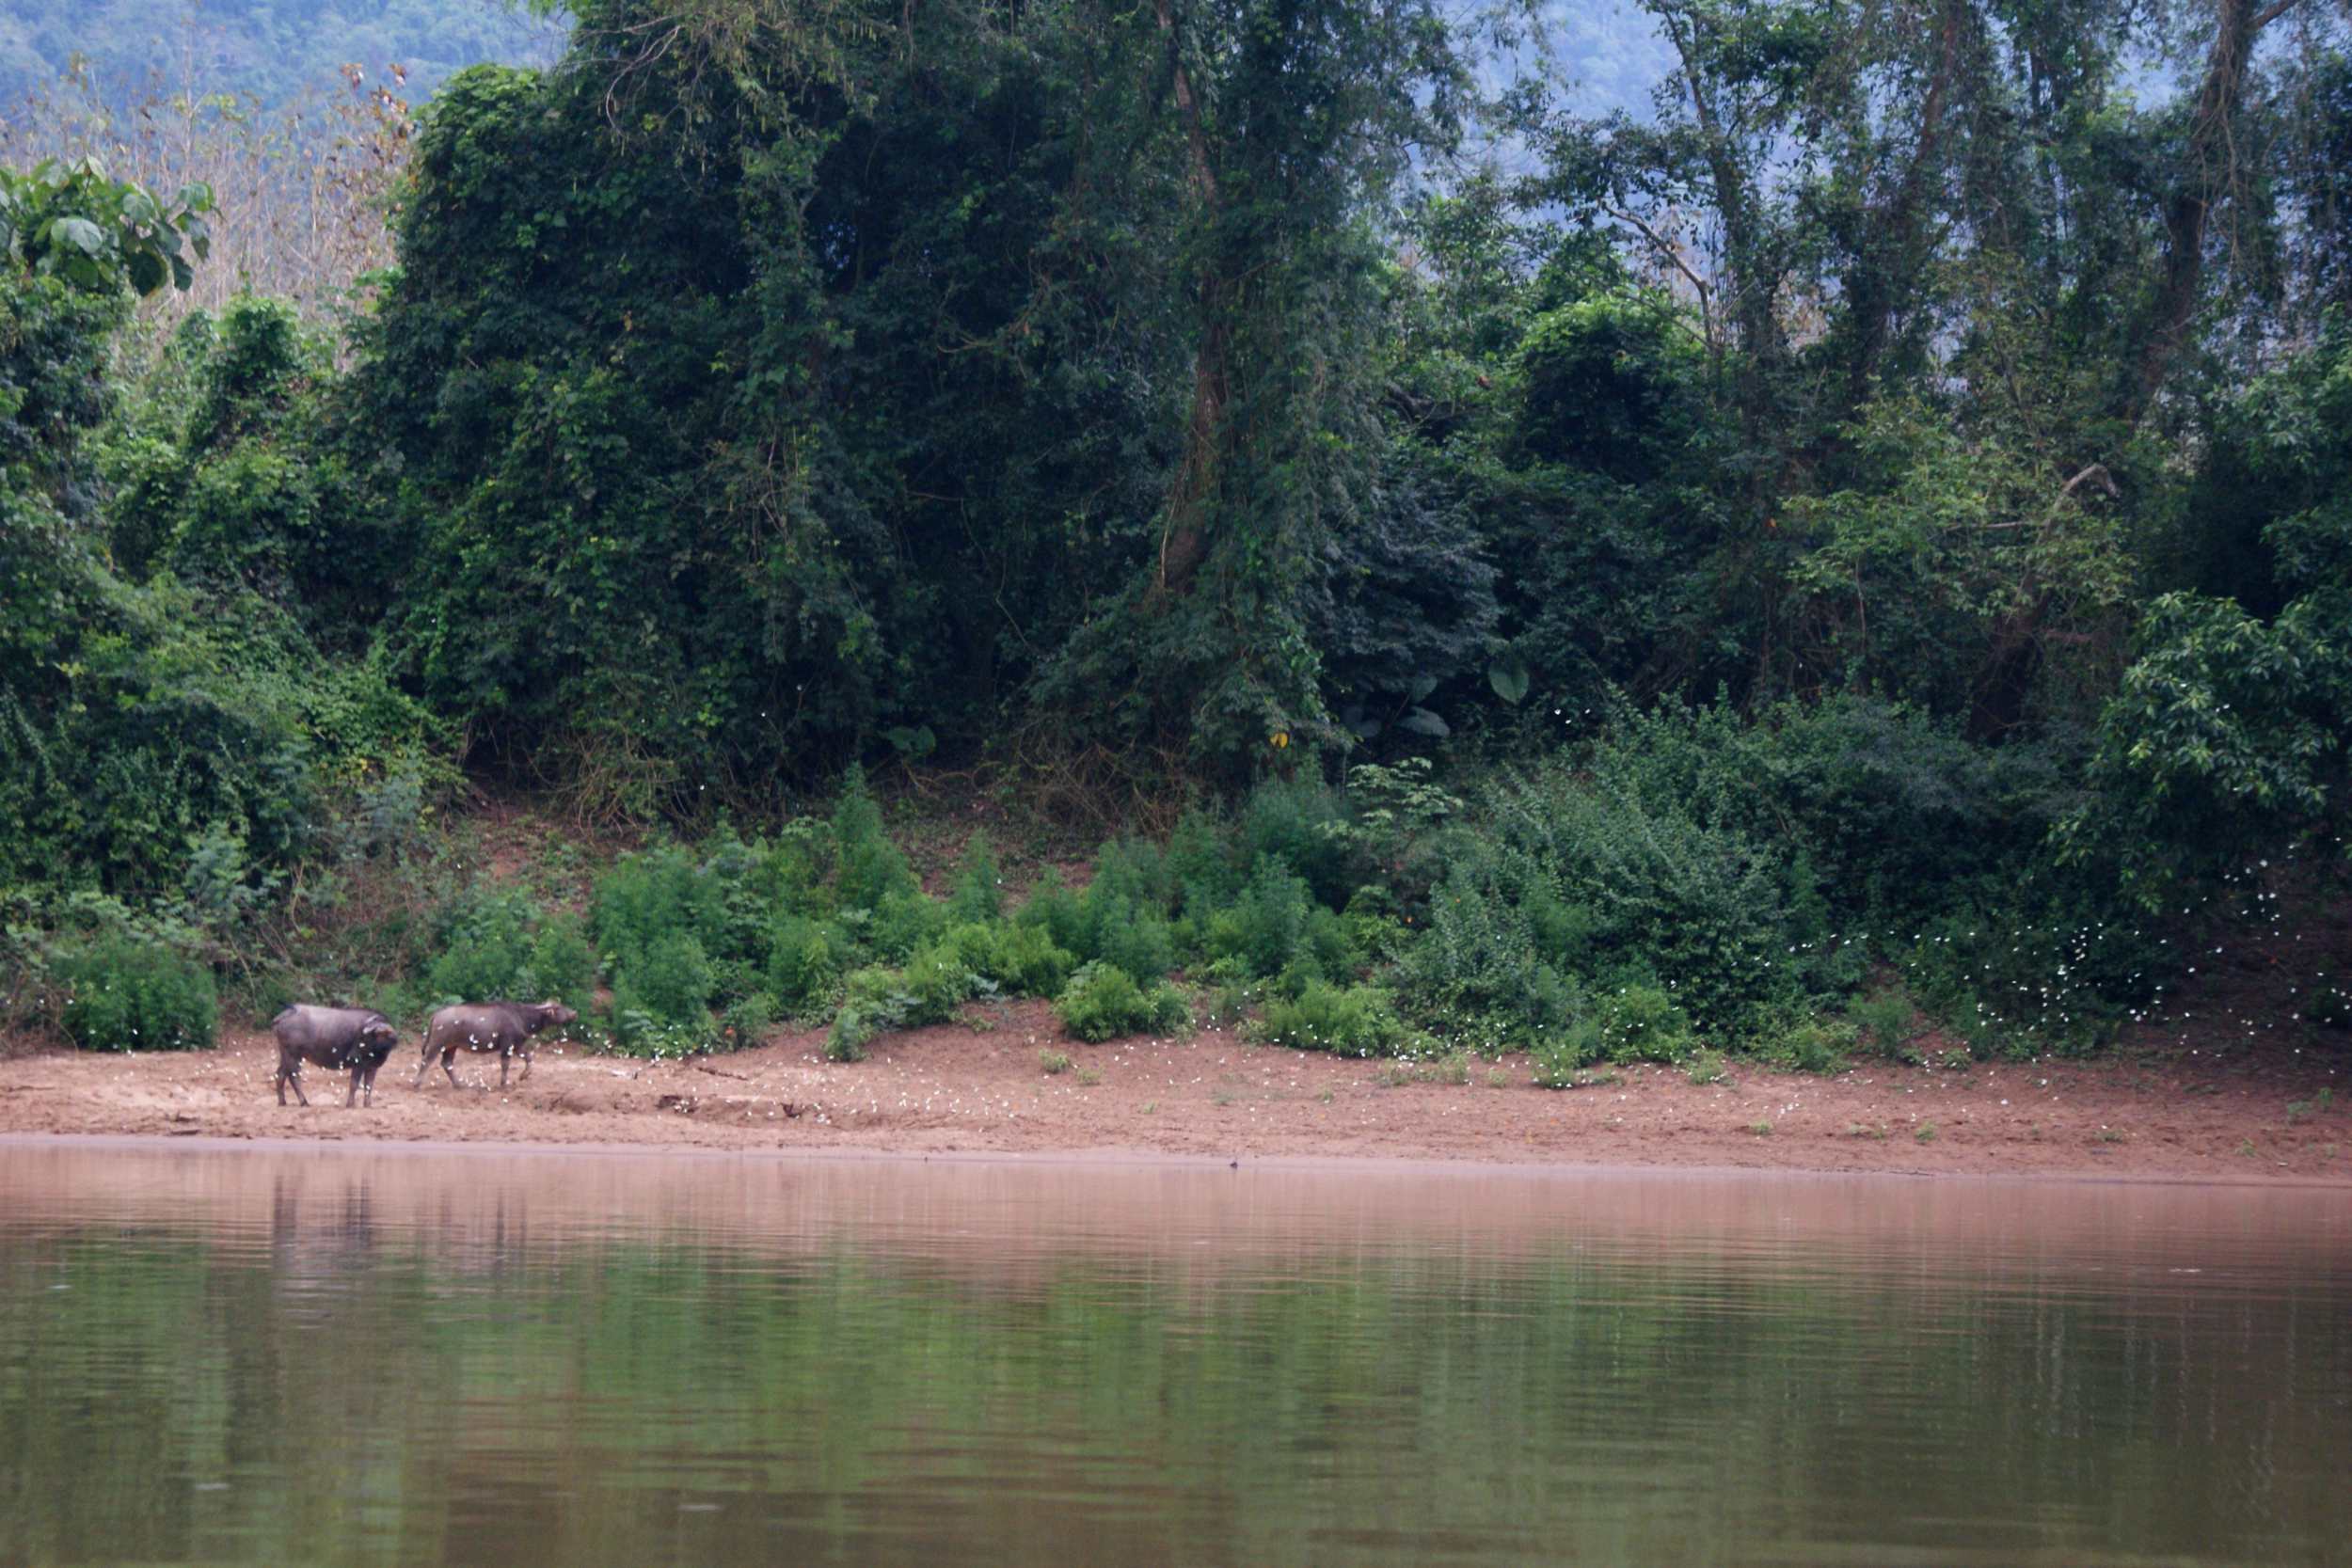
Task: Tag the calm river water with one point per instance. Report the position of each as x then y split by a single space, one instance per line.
281 1355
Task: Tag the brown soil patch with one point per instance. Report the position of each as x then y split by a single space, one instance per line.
977 1087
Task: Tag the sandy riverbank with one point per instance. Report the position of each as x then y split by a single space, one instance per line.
956 1088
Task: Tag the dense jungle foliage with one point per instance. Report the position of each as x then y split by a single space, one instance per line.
1872 532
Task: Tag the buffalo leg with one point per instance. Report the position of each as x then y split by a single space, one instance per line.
446 1057
526 1055
295 1077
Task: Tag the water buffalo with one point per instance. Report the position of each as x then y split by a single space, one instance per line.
506 1027
334 1038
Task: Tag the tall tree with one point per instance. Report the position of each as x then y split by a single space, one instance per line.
1291 125
2211 176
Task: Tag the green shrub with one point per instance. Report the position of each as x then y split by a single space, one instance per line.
1229 1005
902 921
747 1019
796 862
1560 1057
499 946
638 1032
1119 920
1275 927
1200 864
1641 1024
1303 826
1104 1002
1883 1021
1888 804
1372 928
804 962
2051 966
875 998
1708 1066
1052 1061
878 999
486 948
1735 863
1673 890
938 982
1052 908
123 993
1891 805
674 979
652 893
1481 970
1130 936
1018 960
870 867
785 916
747 885
878 989
1134 869
732 895
854 1028
1454 1068
562 965
1812 1046
978 897
1024 963
1346 1020
663 1003
1661 855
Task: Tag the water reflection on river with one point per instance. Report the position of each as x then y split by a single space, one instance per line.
283 1355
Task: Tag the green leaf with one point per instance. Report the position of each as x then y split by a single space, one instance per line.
1421 721
1509 677
146 271
82 234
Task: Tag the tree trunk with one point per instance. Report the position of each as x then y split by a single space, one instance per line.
1184 537
1891 232
1751 290
2210 172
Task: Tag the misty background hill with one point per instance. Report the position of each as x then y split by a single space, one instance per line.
1606 56
272 50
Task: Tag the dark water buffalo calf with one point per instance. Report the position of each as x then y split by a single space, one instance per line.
506 1027
334 1038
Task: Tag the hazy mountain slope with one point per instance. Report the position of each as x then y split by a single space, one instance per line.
272 49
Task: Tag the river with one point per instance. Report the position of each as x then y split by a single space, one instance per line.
288 1353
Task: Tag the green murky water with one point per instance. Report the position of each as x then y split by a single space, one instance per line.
281 1355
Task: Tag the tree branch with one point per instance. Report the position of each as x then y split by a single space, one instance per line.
1672 253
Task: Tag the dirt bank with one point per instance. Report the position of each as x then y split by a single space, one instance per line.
2140 1114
